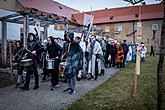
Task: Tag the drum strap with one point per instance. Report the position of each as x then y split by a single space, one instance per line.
67 51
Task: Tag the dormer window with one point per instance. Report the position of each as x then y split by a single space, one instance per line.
111 17
60 7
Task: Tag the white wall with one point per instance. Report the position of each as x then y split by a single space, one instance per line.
55 33
13 31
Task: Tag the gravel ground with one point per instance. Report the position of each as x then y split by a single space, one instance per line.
43 98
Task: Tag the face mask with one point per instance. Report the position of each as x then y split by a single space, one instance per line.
93 41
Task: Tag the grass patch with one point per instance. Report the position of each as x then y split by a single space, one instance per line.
115 93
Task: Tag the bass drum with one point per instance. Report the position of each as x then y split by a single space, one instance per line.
26 62
15 66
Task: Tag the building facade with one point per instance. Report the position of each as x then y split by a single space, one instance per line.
125 30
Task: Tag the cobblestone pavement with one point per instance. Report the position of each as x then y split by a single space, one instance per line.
44 98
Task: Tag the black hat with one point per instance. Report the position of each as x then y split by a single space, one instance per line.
70 34
31 34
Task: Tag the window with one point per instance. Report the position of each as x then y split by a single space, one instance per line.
97 29
111 17
106 28
154 31
58 27
118 27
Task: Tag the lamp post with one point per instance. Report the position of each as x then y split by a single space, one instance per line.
133 2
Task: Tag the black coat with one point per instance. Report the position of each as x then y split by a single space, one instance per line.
18 53
54 50
125 48
34 46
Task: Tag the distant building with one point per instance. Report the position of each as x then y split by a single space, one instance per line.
122 23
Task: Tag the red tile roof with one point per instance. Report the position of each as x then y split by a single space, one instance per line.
49 6
123 14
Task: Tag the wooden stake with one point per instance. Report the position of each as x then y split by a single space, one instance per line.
137 74
134 86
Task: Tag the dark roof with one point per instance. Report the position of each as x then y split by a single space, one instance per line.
123 14
49 6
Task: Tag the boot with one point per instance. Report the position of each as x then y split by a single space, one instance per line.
91 76
17 85
102 72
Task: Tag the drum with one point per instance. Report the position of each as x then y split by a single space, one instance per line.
62 67
26 62
50 64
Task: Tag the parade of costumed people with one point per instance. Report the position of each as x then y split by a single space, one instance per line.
72 58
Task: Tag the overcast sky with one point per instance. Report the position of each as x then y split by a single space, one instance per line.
85 5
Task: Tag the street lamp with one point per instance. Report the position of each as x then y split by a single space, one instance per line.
133 2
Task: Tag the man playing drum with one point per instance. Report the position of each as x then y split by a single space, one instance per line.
33 51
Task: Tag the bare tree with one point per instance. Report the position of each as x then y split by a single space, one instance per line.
160 69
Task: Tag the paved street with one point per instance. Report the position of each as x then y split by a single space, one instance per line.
43 98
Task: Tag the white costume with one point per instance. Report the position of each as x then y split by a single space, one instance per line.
143 51
129 54
96 50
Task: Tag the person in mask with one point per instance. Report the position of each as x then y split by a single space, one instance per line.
94 51
119 56
143 51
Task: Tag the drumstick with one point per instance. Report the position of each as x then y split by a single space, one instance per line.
29 51
17 53
54 58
